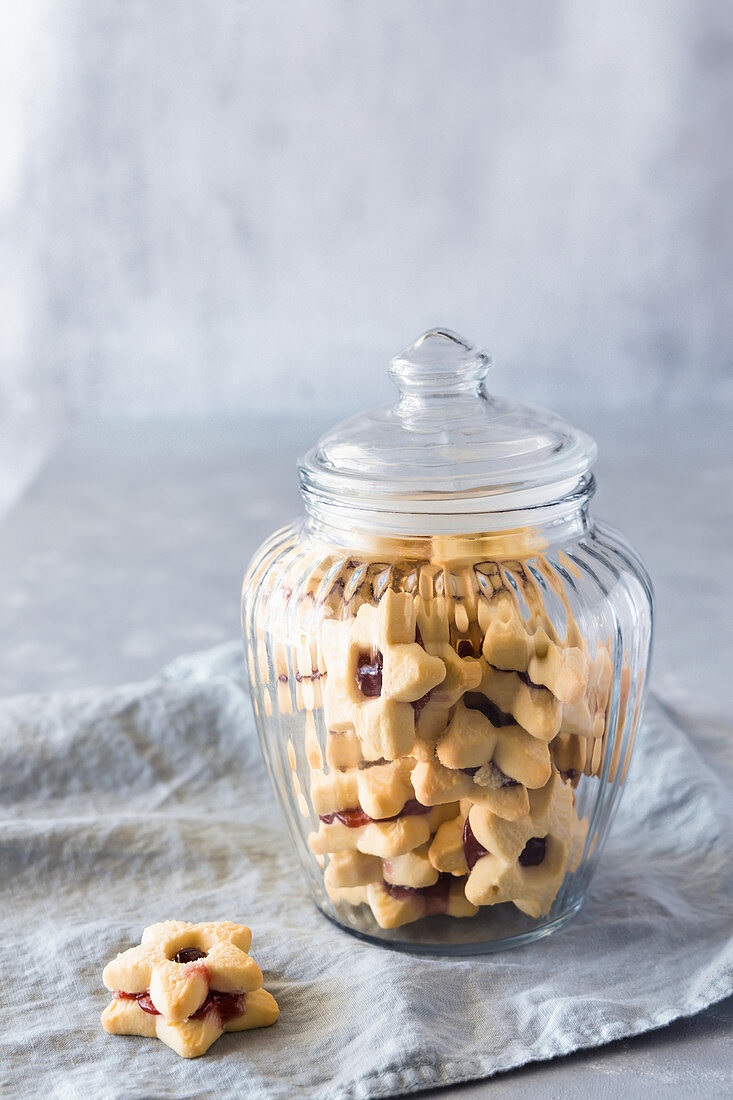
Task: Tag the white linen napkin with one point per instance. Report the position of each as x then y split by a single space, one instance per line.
146 802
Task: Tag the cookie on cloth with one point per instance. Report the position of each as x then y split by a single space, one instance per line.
186 984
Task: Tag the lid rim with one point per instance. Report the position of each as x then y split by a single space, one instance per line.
488 502
327 478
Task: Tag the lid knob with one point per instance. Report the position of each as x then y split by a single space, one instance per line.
440 364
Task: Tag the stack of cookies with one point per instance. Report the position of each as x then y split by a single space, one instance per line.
457 725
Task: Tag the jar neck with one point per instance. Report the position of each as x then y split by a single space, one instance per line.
510 533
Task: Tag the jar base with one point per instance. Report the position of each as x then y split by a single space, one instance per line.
451 936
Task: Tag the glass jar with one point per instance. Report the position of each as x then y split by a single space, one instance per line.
448 660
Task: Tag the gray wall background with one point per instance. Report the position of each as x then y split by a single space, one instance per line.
240 205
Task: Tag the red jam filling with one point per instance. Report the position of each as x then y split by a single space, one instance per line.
369 674
534 852
472 850
143 999
418 704
369 668
411 808
224 1005
435 898
354 819
189 955
474 700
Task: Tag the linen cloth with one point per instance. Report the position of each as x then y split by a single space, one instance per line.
125 806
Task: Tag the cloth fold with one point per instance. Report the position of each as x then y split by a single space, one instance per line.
125 806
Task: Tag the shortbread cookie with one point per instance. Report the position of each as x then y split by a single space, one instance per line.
343 749
531 646
486 786
479 734
524 861
348 895
511 548
380 789
353 830
446 849
462 673
413 869
490 764
393 906
532 706
187 983
588 717
349 869
378 675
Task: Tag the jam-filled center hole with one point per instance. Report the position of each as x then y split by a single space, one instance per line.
533 852
475 700
369 674
473 850
188 955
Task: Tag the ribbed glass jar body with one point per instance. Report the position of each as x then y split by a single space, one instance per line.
448 720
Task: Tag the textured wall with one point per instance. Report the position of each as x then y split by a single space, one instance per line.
216 206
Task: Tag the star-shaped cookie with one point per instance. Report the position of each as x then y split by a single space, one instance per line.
379 676
186 984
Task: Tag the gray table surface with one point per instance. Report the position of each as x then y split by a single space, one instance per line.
130 547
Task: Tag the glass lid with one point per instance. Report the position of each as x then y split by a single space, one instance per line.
446 446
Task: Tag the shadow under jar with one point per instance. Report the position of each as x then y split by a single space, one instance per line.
447 658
